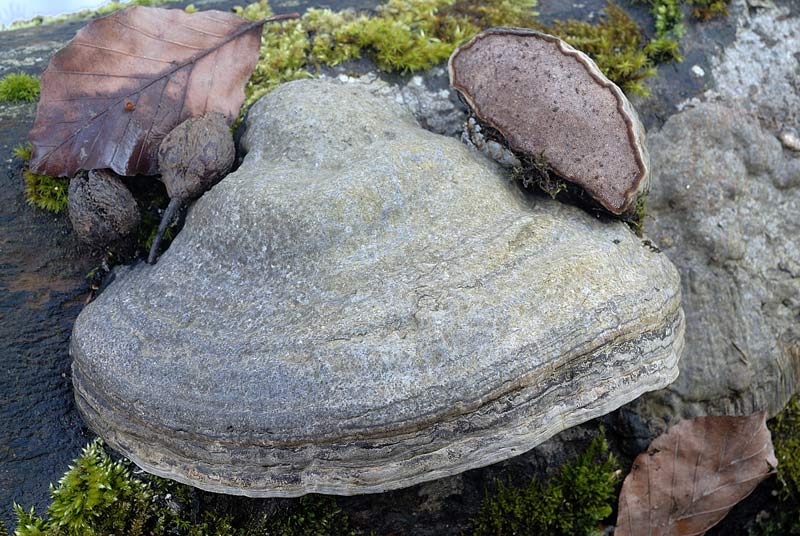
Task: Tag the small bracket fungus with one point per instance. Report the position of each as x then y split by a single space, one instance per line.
101 209
549 101
192 158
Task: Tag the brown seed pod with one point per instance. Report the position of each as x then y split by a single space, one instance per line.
101 209
193 157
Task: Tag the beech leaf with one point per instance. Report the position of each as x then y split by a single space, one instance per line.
691 476
111 94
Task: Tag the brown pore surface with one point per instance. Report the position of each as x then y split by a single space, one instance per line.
548 100
691 476
111 95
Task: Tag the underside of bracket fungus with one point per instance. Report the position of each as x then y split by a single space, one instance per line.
364 305
549 101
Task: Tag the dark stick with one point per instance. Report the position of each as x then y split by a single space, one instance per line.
169 214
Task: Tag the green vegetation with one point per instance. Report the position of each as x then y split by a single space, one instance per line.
42 191
709 9
635 217
96 496
45 192
99 497
411 35
82 14
572 503
19 87
618 46
785 519
403 35
669 16
23 151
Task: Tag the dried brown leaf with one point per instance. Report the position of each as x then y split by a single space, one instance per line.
691 476
125 80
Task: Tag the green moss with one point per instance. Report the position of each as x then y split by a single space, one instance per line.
45 192
412 35
537 172
312 515
635 217
785 429
618 46
99 497
82 14
95 497
668 17
19 87
401 36
572 503
668 14
23 151
42 191
709 9
28 523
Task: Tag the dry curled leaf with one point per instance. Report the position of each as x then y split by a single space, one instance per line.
691 476
125 80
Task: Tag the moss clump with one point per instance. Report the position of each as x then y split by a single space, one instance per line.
96 496
45 192
537 172
668 17
314 515
668 14
99 497
40 20
402 35
785 430
572 503
635 217
709 9
23 151
19 87
411 35
42 191
618 46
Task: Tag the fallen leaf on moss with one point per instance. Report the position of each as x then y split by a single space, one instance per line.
125 80
691 476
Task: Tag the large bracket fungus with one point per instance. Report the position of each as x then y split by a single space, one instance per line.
364 305
550 101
